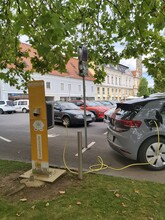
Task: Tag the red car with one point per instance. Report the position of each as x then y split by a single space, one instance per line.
94 107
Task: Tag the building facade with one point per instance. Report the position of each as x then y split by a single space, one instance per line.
119 84
58 86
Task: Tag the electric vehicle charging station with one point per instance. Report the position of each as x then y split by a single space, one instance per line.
38 127
40 122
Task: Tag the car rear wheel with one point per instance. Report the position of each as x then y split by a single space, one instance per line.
1 111
24 110
66 121
153 152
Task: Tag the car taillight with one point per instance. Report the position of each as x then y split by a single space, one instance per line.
130 123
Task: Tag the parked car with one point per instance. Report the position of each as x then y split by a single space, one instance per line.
108 113
21 105
92 106
70 114
137 131
6 106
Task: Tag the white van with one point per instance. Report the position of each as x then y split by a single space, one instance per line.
21 105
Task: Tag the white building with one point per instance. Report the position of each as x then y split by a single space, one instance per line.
58 86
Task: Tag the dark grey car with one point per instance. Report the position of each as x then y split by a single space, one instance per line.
137 130
70 114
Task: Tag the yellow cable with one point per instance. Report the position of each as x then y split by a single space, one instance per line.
64 154
101 165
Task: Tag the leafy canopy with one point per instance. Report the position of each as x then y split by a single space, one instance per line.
56 29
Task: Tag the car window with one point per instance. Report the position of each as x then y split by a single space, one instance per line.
2 102
79 103
56 105
23 102
10 103
68 105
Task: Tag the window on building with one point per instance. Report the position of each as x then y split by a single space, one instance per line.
91 88
108 91
112 79
103 90
48 85
62 86
108 79
79 88
120 81
98 90
116 80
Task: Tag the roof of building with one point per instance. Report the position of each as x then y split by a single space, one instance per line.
72 70
134 73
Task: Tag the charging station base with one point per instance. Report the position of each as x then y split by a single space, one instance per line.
51 177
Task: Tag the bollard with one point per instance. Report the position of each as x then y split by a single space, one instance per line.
79 137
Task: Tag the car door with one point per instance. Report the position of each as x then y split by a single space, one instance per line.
18 106
57 112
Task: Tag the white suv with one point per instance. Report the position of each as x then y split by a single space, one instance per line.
21 105
6 106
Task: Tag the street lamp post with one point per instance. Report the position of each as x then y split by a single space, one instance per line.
83 71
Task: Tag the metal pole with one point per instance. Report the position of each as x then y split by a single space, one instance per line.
85 121
79 137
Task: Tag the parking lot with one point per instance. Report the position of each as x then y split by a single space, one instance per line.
15 145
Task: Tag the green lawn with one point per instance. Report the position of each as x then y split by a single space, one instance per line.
95 197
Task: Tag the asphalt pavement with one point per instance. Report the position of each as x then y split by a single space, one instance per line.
15 144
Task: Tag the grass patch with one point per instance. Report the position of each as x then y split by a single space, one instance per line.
95 197
7 167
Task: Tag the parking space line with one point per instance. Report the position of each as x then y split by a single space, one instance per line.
5 139
88 147
53 135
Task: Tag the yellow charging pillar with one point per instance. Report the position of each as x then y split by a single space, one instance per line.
38 127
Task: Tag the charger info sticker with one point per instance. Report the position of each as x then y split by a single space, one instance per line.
39 147
38 125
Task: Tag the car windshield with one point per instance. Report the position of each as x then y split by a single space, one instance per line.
91 104
107 103
69 106
98 103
